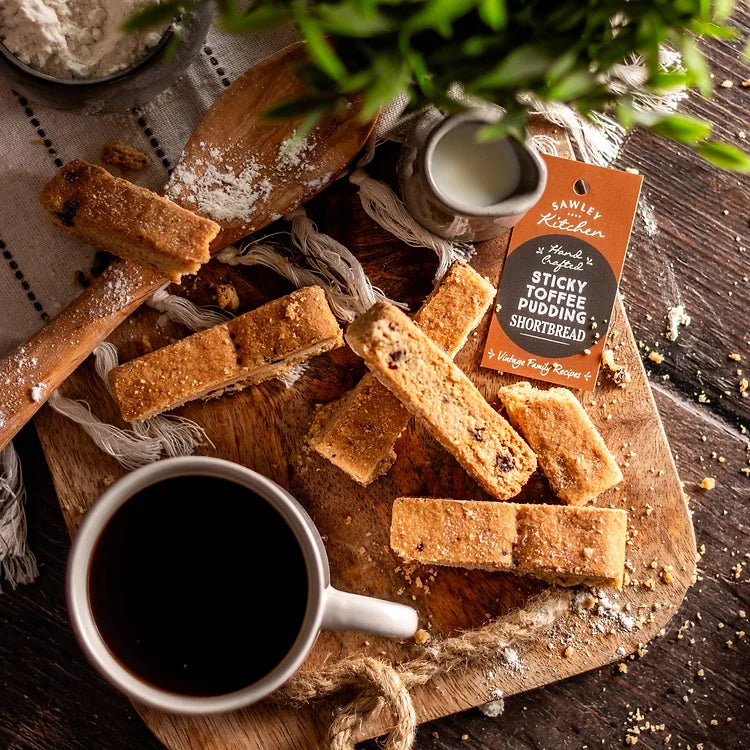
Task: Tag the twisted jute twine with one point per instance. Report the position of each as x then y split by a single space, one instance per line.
369 684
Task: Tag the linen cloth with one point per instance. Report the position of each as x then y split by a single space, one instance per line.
39 262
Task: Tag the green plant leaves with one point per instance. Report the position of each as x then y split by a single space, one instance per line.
681 128
512 124
351 20
564 63
725 156
722 9
509 52
665 80
574 85
494 13
255 20
712 30
319 47
523 65
292 108
155 15
390 78
438 15
695 64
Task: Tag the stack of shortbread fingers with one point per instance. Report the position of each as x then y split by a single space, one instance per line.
411 373
567 544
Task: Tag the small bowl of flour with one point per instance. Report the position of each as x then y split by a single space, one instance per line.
73 54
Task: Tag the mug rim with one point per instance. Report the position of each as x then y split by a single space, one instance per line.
81 613
517 203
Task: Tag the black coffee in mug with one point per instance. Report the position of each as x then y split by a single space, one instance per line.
198 586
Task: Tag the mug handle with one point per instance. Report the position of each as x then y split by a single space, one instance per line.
365 614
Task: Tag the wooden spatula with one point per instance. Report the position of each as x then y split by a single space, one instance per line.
232 137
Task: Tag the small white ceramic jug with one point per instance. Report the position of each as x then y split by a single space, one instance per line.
463 189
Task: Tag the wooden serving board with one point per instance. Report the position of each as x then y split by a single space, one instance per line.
264 427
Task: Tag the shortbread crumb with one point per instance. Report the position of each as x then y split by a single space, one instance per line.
676 317
119 154
619 374
227 297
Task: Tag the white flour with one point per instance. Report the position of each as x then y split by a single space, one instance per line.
676 317
219 192
602 611
495 706
511 659
294 152
37 392
73 38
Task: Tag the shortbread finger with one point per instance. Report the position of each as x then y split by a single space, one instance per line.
256 346
129 221
455 307
571 545
454 532
556 543
569 449
358 434
427 382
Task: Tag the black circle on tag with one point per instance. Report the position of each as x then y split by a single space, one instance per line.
541 295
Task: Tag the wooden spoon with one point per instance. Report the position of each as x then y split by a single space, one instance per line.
232 137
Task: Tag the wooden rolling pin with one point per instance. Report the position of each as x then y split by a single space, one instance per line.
233 127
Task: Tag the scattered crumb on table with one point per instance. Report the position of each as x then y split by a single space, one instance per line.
227 297
422 636
119 154
619 374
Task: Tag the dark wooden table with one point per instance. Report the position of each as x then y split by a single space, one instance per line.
689 688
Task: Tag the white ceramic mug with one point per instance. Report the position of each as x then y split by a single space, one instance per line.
327 608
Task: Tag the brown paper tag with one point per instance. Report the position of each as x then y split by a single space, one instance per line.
560 277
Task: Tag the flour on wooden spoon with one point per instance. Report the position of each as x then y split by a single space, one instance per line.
218 192
223 195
